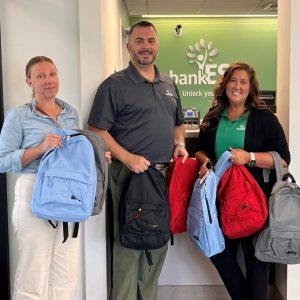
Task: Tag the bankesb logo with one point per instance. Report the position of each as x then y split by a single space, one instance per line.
201 54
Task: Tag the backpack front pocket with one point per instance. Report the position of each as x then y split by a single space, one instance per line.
286 243
63 186
141 217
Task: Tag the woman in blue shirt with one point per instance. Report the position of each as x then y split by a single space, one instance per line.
238 121
47 268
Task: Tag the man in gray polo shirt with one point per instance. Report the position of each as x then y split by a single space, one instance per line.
138 113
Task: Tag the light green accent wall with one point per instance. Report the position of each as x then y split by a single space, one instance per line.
253 40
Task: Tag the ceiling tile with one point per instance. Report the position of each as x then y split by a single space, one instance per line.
195 7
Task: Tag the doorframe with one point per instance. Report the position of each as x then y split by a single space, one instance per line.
4 245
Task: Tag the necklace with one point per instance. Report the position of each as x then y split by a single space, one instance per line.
54 116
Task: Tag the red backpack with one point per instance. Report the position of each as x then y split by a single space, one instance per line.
181 178
243 204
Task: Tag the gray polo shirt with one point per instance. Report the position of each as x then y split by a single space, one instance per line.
139 114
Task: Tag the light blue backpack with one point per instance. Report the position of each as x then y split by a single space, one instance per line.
65 185
202 220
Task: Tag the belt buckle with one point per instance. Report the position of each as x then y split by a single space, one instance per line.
160 166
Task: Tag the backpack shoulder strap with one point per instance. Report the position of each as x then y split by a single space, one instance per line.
223 164
278 165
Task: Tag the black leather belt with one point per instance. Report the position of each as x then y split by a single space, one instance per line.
155 165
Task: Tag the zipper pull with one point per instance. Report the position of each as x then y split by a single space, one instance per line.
138 213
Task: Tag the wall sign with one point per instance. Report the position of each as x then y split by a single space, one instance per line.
197 57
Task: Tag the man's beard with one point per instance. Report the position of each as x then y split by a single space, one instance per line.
147 61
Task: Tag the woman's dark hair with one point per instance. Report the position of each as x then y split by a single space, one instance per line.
35 60
221 101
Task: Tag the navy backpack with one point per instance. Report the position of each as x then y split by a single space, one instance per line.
65 186
202 221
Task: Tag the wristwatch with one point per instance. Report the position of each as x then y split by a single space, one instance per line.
209 165
180 145
252 161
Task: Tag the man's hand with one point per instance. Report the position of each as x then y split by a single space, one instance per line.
180 150
136 163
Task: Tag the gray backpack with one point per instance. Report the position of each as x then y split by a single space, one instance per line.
279 241
100 148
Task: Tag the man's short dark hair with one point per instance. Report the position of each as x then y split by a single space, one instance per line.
142 24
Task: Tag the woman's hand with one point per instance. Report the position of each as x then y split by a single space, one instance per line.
205 162
239 156
204 168
51 141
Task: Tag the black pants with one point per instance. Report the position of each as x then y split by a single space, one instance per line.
252 287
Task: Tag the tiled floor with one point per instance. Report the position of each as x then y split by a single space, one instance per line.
211 292
192 293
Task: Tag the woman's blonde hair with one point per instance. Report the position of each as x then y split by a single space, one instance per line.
35 60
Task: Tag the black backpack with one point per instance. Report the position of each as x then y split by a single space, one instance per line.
145 211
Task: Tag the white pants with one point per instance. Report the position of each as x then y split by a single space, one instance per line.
48 268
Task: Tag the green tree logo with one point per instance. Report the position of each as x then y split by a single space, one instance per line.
202 52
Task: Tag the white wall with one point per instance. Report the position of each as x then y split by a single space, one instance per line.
293 272
31 28
99 57
288 95
70 32
283 96
84 40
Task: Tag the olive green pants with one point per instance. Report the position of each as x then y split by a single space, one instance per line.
133 278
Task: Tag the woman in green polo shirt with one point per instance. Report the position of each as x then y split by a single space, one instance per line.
240 122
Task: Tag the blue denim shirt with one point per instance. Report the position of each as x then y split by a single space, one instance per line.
25 127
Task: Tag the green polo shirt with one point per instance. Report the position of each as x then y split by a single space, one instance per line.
230 133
